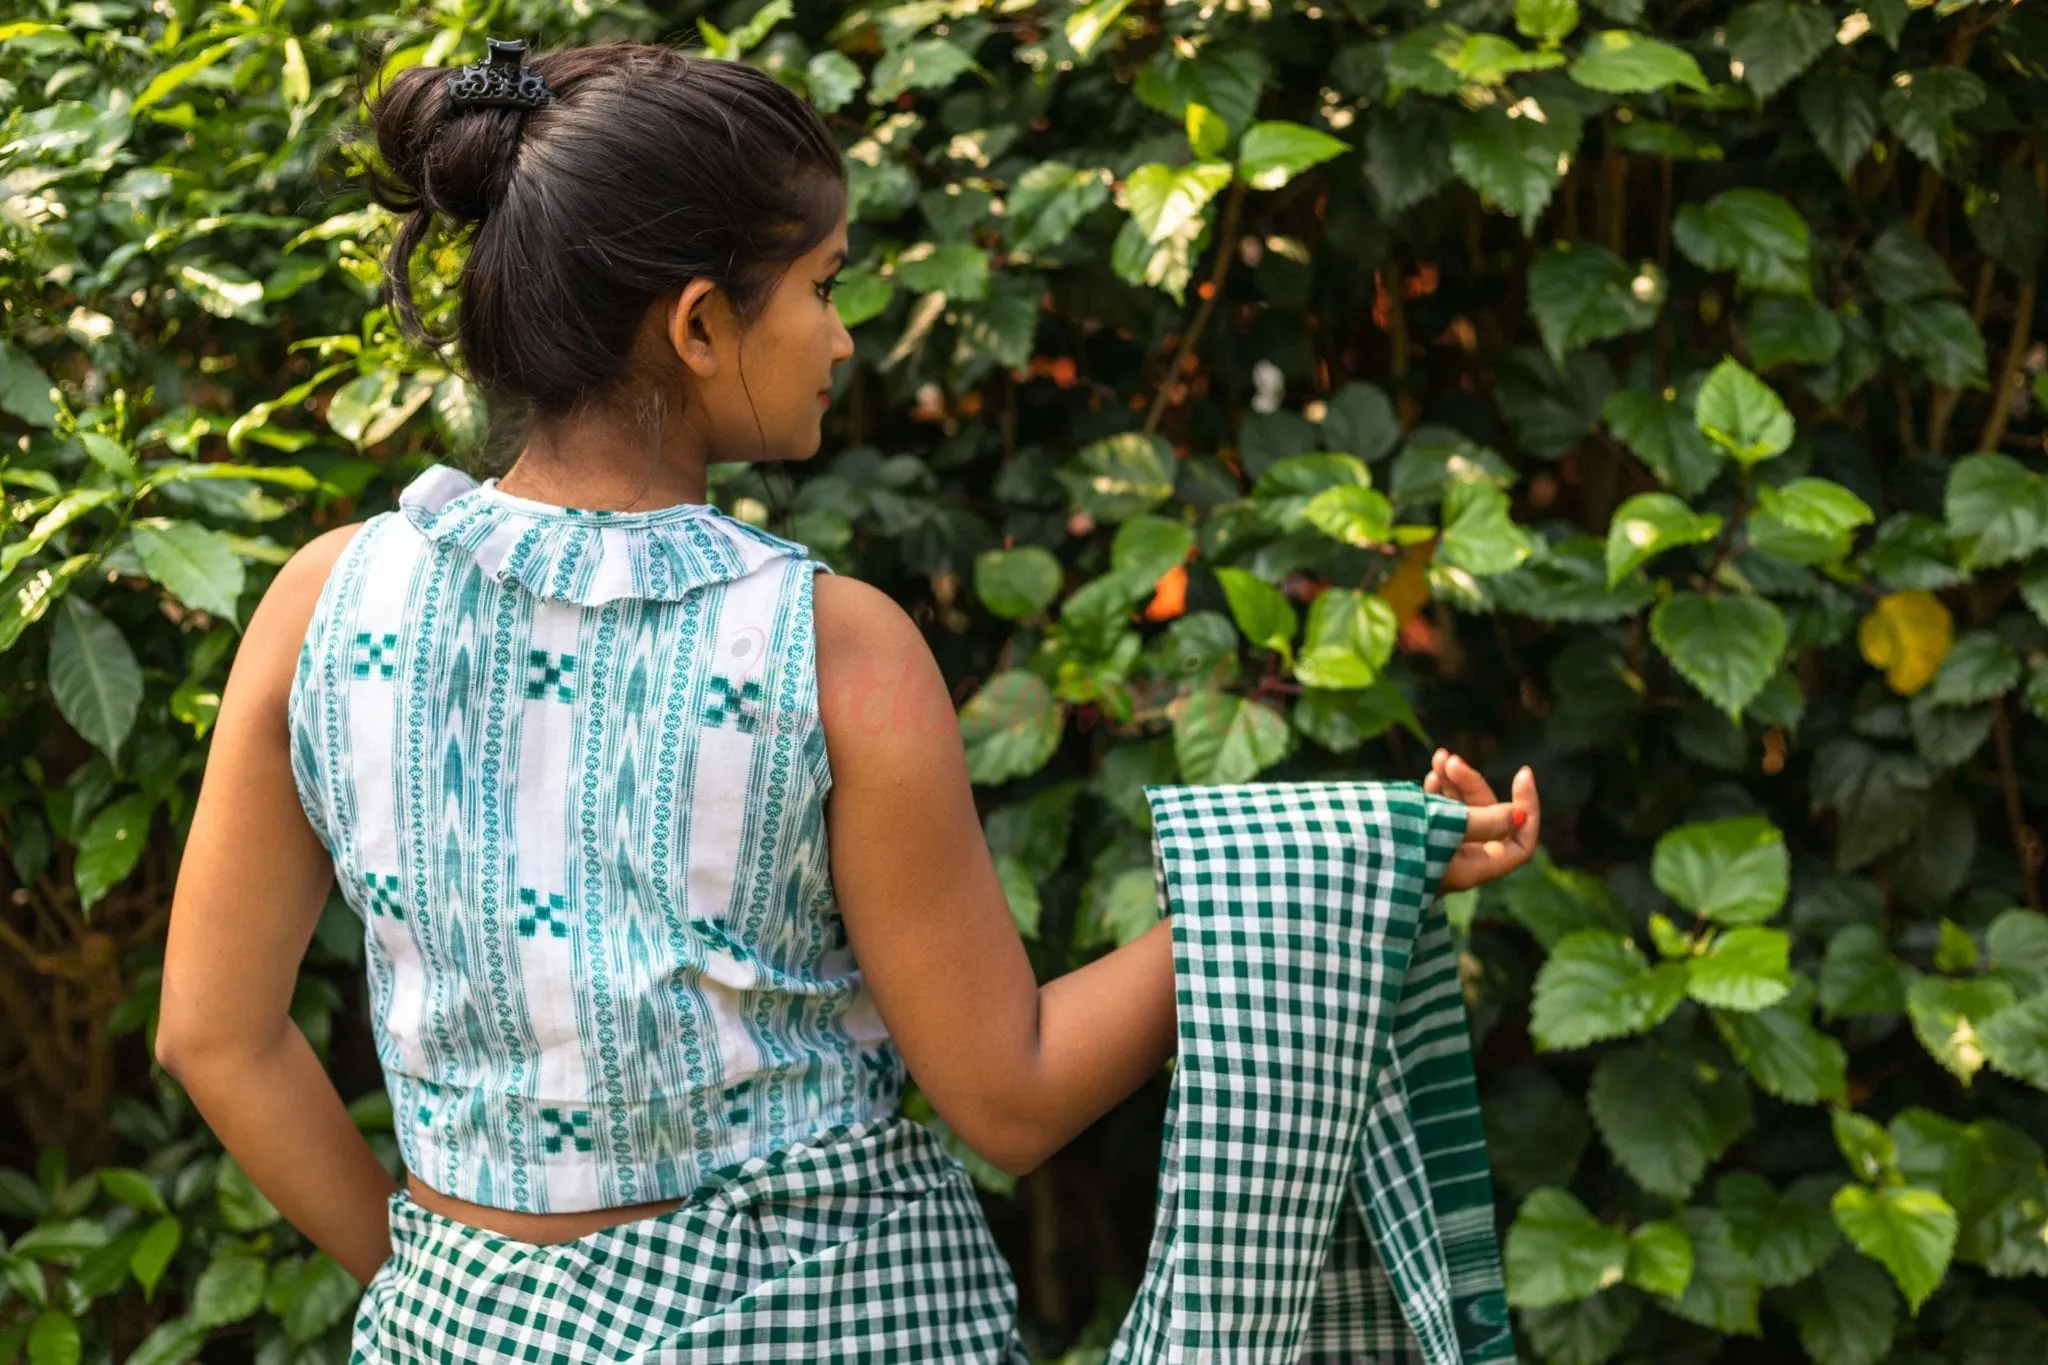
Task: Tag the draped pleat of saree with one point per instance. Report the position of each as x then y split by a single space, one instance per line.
1323 1187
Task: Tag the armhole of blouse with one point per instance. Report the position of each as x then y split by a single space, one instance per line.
816 756
302 736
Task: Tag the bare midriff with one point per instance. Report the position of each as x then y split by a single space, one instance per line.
530 1227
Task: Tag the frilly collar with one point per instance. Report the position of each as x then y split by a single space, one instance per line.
589 557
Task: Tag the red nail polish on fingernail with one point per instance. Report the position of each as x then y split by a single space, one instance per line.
1521 817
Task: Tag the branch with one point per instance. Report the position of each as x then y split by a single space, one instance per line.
2015 351
2023 839
1226 252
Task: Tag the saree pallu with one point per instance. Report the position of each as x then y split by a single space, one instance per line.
1323 1187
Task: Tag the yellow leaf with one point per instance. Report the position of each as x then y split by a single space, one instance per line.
1407 590
1907 635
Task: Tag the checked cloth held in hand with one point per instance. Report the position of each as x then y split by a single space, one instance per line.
1323 1192
1323 1187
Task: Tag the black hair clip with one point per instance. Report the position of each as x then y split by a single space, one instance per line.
500 79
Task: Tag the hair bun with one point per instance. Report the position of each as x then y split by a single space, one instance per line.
443 157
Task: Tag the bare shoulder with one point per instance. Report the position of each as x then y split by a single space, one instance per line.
878 682
270 645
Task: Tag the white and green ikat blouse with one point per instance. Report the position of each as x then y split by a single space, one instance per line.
570 770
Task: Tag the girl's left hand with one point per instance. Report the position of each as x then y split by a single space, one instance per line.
1477 862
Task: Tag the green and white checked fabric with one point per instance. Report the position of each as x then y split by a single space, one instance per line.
863 1242
1323 1192
1323 1187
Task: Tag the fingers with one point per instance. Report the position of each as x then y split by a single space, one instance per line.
1524 789
1495 823
1452 776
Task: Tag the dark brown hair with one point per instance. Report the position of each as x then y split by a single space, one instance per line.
649 169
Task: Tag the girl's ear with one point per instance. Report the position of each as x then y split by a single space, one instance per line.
691 325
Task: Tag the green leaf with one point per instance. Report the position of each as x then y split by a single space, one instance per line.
1580 293
312 1296
1120 476
1747 969
1165 199
1359 420
1659 430
1741 414
1222 77
1352 515
1596 986
1049 201
1667 1115
1727 647
1787 1237
152 1255
1552 901
1650 524
1722 1293
226 291
959 270
1423 58
1911 1232
833 81
1349 639
172 1343
195 564
1208 134
1940 334
1840 110
1557 1252
1287 487
928 64
1870 1151
2033 591
1220 738
1659 1259
1488 59
1479 536
1901 267
1921 107
1775 41
1569 583
1342 720
1261 611
94 677
1148 546
25 390
1408 154
2009 220
1979 667
1789 329
1807 521
1732 871
2015 1041
243 1207
1546 21
1586 1332
1010 727
1618 62
1015 583
1997 510
1752 232
1859 975
1785 1054
53 1340
1880 797
229 1289
2017 943
1514 162
111 845
1847 1314
1274 152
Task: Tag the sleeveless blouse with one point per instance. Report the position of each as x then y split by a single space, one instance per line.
570 770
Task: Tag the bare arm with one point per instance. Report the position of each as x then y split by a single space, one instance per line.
1015 1069
250 889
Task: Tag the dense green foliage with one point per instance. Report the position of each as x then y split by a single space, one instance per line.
1246 391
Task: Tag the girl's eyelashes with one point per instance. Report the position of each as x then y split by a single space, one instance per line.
825 289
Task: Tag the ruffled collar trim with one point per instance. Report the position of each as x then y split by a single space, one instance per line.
587 556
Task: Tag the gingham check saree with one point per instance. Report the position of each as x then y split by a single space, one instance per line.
1323 1191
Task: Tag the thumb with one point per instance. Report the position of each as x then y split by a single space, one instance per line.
1486 823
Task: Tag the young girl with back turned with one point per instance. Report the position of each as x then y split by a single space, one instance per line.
660 831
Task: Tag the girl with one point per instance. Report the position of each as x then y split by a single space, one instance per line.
660 830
